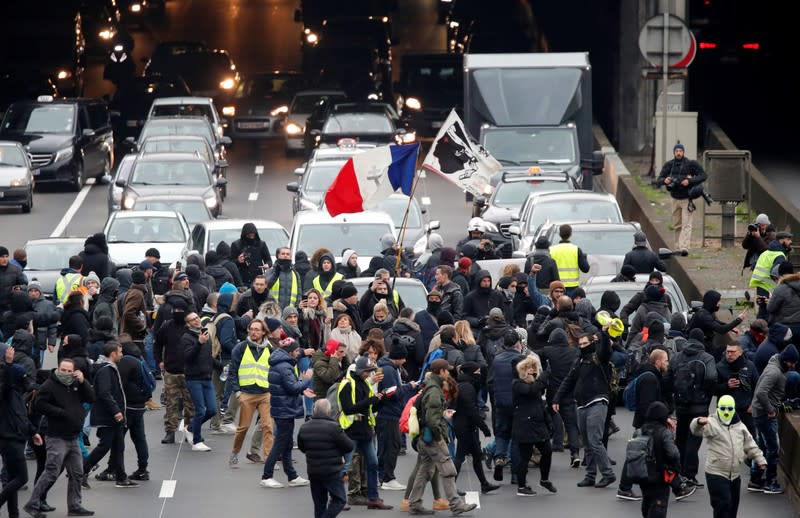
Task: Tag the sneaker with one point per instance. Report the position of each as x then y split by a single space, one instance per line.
685 491
140 474
85 482
629 495
393 485
254 458
45 507
463 508
270 483
755 486
105 476
693 481
525 491
298 482
229 428
548 486
773 488
402 452
188 436
487 458
35 513
80 511
127 483
586 482
420 511
606 481
488 488
233 461
200 446
574 462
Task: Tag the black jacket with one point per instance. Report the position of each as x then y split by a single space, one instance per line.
532 421
75 321
130 371
467 417
698 401
665 451
706 320
549 271
109 394
679 170
255 253
10 275
644 260
590 376
743 370
648 390
167 347
360 429
95 256
63 406
478 303
417 352
14 422
325 444
197 361
558 358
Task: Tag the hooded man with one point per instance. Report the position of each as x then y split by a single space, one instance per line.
655 301
20 309
767 399
706 320
558 358
776 339
666 460
45 320
224 255
106 305
215 269
541 256
349 267
480 301
196 285
325 275
638 298
250 254
728 443
627 273
95 256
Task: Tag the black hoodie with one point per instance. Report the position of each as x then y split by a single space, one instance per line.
318 272
479 301
20 306
706 320
558 358
63 406
224 255
467 417
95 256
255 253
302 266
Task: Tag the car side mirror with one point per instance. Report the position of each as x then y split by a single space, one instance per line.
665 253
594 164
88 132
299 171
225 140
514 230
293 187
121 182
433 225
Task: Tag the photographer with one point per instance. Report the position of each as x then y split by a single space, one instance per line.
683 179
759 235
486 250
770 259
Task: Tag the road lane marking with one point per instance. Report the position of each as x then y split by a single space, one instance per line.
73 209
167 488
472 497
259 169
253 196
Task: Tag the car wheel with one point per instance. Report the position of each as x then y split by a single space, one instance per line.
26 207
76 184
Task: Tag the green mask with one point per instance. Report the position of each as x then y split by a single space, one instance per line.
726 409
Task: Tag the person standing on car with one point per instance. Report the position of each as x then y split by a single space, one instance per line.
570 259
680 175
641 257
250 253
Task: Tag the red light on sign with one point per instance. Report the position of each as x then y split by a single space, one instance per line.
705 45
750 46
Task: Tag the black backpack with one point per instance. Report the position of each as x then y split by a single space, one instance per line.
689 384
640 459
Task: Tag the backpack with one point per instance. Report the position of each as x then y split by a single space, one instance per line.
211 326
434 355
689 383
674 345
409 421
629 394
333 398
640 458
147 382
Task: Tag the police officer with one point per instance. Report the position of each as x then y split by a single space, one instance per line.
570 259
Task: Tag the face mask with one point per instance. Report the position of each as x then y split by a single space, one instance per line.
23 263
381 296
433 307
284 263
726 409
66 378
509 293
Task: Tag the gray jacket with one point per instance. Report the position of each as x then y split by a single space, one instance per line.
770 388
784 304
727 446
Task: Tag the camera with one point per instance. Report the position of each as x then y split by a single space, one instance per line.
487 246
752 228
707 197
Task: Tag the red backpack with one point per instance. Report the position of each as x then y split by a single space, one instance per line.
406 412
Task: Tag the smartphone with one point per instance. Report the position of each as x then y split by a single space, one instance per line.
203 330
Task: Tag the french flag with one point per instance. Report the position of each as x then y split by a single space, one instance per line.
370 177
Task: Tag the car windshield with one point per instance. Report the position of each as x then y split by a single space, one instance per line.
572 210
435 78
520 145
261 86
37 118
11 156
396 208
514 194
273 237
177 128
319 177
358 123
307 103
170 173
364 238
150 229
177 146
51 255
183 110
595 242
194 211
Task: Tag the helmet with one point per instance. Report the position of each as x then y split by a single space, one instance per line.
476 225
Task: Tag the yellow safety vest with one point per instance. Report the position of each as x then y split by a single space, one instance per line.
761 277
326 291
346 420
396 298
67 283
252 371
275 289
566 257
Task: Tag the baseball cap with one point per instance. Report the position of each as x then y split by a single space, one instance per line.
181 276
364 363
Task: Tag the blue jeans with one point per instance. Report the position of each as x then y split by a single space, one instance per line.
503 419
149 358
368 453
281 449
769 443
321 489
592 423
303 365
205 405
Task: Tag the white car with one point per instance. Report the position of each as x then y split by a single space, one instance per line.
361 232
207 235
187 107
16 176
597 285
131 232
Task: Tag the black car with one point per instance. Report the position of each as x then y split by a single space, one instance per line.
131 103
260 104
24 84
101 20
68 140
366 123
430 86
49 36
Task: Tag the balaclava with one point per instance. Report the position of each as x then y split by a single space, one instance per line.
726 409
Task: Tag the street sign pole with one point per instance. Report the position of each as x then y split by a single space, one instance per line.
665 80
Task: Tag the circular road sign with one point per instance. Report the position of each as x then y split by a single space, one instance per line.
681 44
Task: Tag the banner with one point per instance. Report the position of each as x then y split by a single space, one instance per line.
461 162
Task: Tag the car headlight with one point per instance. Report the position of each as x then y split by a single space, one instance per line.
63 154
106 34
229 111
20 182
136 7
412 103
311 38
227 84
279 110
64 74
128 202
293 129
211 202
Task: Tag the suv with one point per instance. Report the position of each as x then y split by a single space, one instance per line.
430 86
187 107
68 140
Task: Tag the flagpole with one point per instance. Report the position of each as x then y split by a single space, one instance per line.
405 221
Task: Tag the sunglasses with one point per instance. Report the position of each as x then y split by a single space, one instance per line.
727 408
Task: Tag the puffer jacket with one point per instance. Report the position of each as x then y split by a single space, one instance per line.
784 303
501 375
46 319
284 387
325 444
727 446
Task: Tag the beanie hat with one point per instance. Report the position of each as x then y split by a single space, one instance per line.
137 277
497 314
790 354
104 323
556 284
346 255
678 146
465 263
655 274
398 351
677 321
521 278
92 277
193 271
610 301
762 219
628 271
288 311
348 290
657 411
227 288
697 334
3 251
272 324
653 292
447 256
469 250
34 285
656 329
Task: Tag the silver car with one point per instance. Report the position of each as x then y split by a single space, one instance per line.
131 232
114 190
16 176
48 256
596 286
